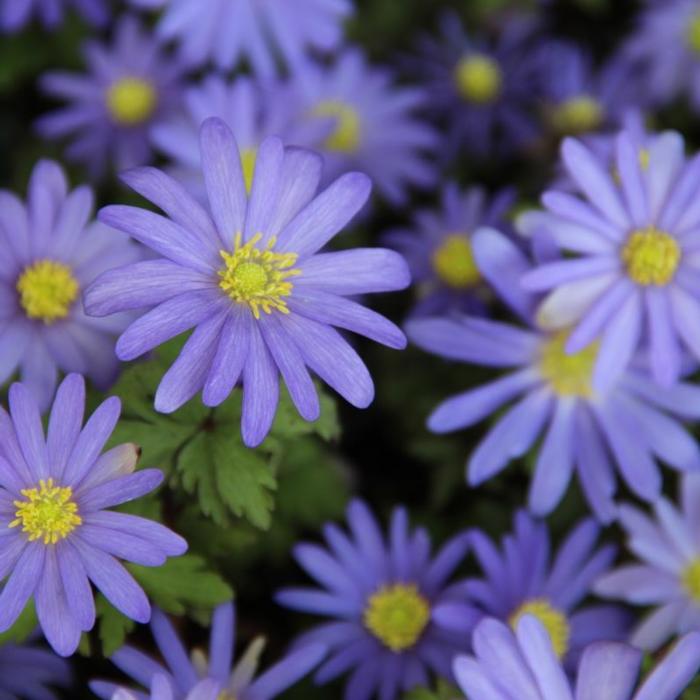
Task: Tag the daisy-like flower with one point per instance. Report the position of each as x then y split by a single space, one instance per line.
668 574
438 248
50 252
521 580
58 534
634 275
484 88
247 275
26 672
130 85
593 432
229 31
184 678
380 593
15 14
374 124
523 665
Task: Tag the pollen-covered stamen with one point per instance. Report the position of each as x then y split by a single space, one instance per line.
345 137
453 262
131 101
567 374
693 32
577 115
651 257
553 620
48 513
690 578
47 290
397 615
478 78
258 278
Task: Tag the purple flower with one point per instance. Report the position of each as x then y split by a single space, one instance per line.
380 593
439 253
668 576
521 580
161 690
183 677
375 128
485 89
247 275
15 14
54 495
49 254
228 31
27 671
634 276
594 432
523 666
131 84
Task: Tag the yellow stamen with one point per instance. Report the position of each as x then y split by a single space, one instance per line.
567 375
651 257
248 158
693 32
131 101
347 134
690 578
553 620
48 512
397 615
258 278
478 78
577 115
47 289
453 262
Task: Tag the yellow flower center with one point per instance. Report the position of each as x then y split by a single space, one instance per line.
568 375
248 158
397 616
553 620
454 264
577 115
478 78
690 579
48 512
47 289
693 33
131 101
347 133
259 278
225 695
651 257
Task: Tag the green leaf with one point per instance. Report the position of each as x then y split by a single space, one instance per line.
444 691
113 627
24 625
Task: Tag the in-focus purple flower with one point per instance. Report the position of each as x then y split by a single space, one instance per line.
130 85
375 126
229 31
668 575
594 432
438 248
58 534
184 678
521 580
523 665
634 278
247 275
484 89
50 252
27 672
15 14
380 593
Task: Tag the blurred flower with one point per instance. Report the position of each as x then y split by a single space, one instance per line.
162 690
27 671
131 84
217 674
521 580
584 428
382 593
15 14
49 254
438 248
635 273
485 90
514 666
228 31
247 276
58 533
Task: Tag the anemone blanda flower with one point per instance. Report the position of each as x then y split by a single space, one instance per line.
130 85
50 252
594 432
58 534
485 89
521 580
438 250
183 678
28 671
15 14
523 666
634 276
246 273
380 594
228 31
161 690
375 126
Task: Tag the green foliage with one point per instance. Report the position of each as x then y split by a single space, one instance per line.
443 691
25 624
113 626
